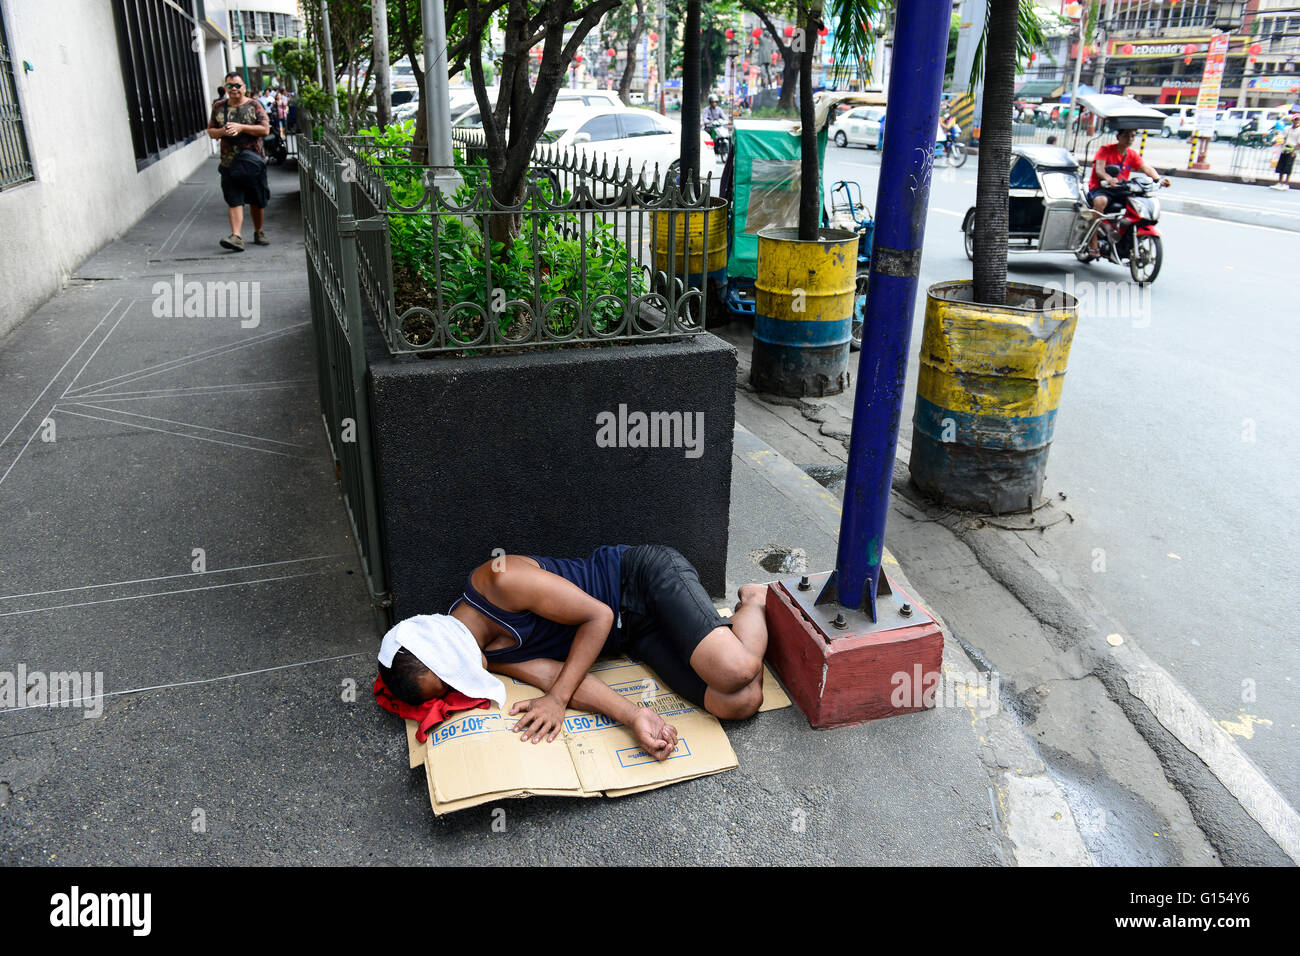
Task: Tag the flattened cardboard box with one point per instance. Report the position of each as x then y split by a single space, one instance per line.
474 757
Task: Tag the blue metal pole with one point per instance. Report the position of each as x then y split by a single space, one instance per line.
915 85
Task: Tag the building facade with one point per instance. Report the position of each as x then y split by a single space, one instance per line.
103 108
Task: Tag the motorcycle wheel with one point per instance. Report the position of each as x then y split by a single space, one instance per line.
968 238
956 155
859 308
1144 263
841 139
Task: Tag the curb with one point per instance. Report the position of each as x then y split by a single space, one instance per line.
1028 803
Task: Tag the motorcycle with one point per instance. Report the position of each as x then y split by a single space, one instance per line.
721 135
950 149
1127 235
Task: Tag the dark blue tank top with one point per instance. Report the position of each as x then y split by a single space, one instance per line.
597 574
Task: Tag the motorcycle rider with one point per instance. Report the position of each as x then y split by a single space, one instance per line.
714 121
714 115
1101 183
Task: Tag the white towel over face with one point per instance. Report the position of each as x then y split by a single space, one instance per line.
444 645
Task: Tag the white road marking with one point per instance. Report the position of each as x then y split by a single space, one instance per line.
168 421
59 372
189 683
1229 222
126 378
1179 712
167 431
168 577
946 212
138 597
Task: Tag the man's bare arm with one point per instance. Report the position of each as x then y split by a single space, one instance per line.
658 737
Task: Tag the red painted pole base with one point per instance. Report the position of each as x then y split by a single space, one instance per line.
845 678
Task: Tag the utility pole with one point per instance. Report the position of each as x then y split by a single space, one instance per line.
1099 76
379 62
1078 69
662 19
329 58
435 91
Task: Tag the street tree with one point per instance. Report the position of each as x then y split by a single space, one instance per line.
791 59
513 125
626 24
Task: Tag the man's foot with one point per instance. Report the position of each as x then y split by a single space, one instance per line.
259 237
233 242
752 592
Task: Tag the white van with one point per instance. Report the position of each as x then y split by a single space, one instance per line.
1181 120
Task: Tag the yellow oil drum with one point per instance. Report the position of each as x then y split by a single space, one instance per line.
987 394
803 312
692 247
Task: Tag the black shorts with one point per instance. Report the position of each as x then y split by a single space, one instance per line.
666 613
1284 163
244 183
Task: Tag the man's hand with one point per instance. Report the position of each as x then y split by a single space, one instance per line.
1166 181
542 716
657 737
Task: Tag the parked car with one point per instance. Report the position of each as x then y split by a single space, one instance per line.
626 135
860 127
568 102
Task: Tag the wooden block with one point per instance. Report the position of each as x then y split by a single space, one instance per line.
855 677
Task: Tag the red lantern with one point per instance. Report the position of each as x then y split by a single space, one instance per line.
577 58
1187 59
757 32
1127 49
822 31
775 58
1033 57
1189 49
730 34
789 31
654 37
611 52
1256 49
830 60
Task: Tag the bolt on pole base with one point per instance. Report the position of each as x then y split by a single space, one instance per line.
842 668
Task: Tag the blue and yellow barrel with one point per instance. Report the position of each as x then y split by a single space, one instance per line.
803 312
987 395
692 247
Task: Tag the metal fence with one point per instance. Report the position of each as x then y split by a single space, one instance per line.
589 252
328 196
1254 162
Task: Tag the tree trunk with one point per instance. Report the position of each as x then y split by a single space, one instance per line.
419 143
810 191
990 265
690 160
629 68
789 78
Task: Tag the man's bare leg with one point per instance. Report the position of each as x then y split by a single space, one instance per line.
258 212
236 219
730 659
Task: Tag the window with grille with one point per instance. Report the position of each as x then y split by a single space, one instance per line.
160 70
15 160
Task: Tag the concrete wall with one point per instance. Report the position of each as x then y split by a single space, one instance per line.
87 190
505 452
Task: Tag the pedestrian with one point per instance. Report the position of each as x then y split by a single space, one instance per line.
1051 141
281 112
1286 159
240 122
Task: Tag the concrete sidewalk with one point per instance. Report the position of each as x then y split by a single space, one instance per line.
169 518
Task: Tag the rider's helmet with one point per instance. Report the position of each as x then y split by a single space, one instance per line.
713 99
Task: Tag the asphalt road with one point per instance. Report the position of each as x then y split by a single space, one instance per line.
1175 445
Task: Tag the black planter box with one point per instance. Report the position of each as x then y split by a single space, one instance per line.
502 452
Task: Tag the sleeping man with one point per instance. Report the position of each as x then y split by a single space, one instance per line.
545 620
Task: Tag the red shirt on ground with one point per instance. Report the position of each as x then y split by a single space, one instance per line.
1111 155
